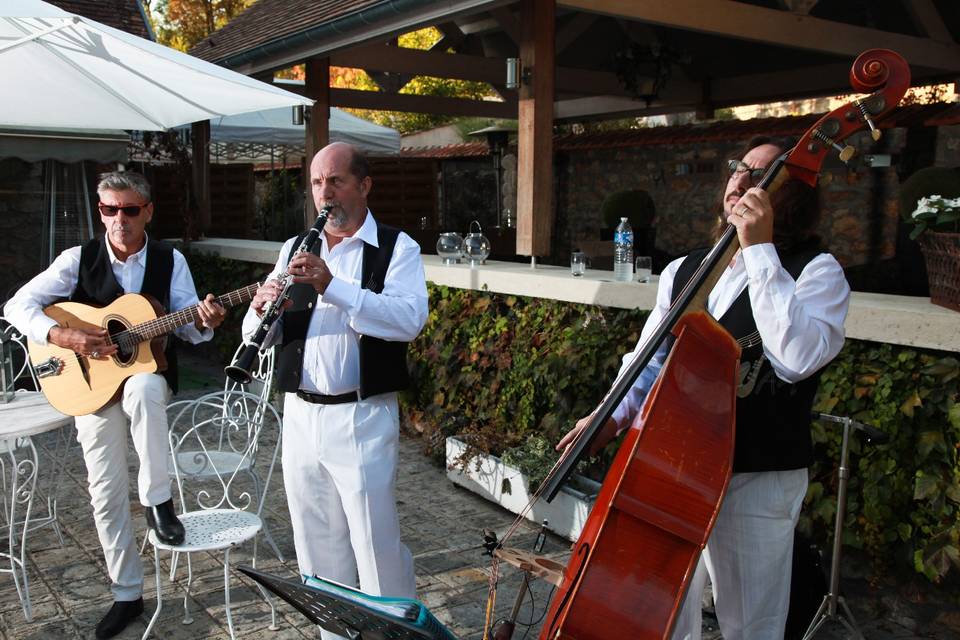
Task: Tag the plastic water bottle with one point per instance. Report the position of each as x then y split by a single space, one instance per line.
623 252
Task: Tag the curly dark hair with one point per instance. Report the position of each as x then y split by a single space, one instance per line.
796 205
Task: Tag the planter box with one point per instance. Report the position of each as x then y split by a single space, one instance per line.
489 477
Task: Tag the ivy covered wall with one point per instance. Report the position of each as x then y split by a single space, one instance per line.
510 375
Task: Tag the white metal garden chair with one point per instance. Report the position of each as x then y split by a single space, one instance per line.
212 442
231 445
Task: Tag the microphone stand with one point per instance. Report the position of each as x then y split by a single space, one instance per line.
828 608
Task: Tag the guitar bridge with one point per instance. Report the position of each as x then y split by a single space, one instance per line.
49 367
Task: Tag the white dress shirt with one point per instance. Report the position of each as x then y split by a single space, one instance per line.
800 322
346 311
57 282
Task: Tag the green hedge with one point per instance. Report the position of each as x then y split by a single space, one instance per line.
511 375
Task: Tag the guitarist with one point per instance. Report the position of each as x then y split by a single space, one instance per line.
125 260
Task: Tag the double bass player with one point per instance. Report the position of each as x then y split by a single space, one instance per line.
785 302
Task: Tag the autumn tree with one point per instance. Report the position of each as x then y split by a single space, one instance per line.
183 23
405 122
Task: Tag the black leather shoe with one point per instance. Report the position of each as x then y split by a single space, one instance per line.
163 519
120 615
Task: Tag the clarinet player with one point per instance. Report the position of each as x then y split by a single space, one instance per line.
357 299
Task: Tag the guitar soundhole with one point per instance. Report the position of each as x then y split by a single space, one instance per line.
125 354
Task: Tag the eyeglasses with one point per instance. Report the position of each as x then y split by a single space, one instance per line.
131 210
739 166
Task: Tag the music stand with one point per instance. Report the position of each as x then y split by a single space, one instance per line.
352 613
828 608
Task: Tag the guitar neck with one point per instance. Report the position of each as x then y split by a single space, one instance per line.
172 321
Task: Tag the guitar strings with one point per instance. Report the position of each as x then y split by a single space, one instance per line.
156 327
130 337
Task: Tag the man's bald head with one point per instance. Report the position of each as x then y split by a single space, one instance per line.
340 182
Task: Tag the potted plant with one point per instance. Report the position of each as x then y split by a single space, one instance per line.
930 200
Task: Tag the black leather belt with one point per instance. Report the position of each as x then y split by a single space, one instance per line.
321 398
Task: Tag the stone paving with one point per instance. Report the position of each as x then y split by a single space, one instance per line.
441 524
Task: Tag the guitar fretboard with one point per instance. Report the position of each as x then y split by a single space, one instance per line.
168 323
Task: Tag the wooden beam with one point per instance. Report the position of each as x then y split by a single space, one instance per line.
798 6
354 99
508 22
926 16
573 29
466 67
535 129
821 80
452 37
317 129
422 63
780 28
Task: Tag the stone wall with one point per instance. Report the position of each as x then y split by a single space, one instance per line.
467 193
948 146
859 222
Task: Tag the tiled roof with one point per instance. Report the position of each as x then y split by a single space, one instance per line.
269 20
462 150
119 14
906 116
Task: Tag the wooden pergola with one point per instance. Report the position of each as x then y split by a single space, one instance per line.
582 60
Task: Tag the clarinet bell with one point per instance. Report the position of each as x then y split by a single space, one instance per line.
239 370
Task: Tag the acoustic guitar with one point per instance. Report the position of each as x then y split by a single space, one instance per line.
77 385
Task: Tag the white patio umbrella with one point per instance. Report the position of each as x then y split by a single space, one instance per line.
61 70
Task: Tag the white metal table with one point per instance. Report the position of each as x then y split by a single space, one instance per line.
28 415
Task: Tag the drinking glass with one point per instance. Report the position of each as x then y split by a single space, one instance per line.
578 263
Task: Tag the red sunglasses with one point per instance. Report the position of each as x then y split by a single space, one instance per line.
130 210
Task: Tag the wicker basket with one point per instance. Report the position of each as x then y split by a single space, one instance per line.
941 252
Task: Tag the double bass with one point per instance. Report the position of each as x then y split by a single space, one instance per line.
629 569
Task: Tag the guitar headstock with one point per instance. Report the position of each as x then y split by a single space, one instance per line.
881 73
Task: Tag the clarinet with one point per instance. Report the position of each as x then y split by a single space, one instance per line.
240 370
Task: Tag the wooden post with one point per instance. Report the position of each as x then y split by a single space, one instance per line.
200 142
535 131
317 129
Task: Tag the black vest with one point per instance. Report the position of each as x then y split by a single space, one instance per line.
383 363
96 285
773 416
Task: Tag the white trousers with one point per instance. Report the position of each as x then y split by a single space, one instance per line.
103 437
339 469
748 558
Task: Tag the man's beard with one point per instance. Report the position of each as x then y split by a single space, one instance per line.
337 216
